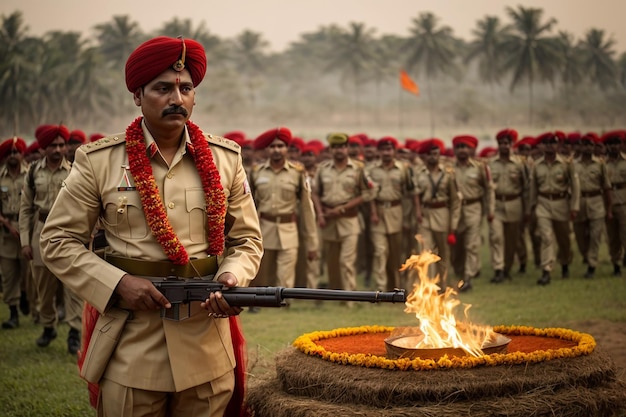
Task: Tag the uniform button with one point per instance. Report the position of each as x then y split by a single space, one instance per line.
170 205
170 175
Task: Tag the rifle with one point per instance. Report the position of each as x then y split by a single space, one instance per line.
179 292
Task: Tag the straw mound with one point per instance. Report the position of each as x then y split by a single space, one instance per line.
309 386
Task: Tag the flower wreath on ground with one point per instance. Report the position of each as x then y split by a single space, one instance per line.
585 344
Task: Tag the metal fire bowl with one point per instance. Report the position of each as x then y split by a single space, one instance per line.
401 347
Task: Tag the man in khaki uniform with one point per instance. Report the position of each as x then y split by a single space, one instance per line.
41 186
523 149
616 217
474 184
595 201
441 206
172 201
282 195
394 181
510 179
340 187
555 197
12 264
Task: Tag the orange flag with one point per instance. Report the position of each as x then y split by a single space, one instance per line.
408 84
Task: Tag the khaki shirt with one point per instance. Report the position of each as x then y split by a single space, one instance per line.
284 193
392 185
594 179
474 183
548 181
616 172
152 353
510 179
436 188
10 199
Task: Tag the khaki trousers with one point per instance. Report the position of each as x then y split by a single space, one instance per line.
340 262
209 400
437 242
47 285
13 279
554 234
465 260
387 260
616 233
278 267
588 237
504 238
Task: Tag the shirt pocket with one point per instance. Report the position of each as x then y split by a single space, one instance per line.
288 191
196 209
124 213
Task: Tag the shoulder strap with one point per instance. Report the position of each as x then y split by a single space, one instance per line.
31 175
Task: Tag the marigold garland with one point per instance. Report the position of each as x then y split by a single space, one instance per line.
153 207
586 344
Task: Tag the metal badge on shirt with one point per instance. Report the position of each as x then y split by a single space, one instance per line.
125 183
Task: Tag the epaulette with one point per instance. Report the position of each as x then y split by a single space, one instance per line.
223 142
326 163
104 142
296 165
449 170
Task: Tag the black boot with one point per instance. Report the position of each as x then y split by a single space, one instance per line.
73 341
617 270
565 271
465 285
498 278
49 334
545 278
13 321
522 268
24 305
590 272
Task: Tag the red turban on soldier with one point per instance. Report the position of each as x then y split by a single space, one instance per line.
236 136
469 141
266 138
77 136
153 57
297 143
33 147
427 145
507 133
309 148
7 145
387 140
45 134
95 136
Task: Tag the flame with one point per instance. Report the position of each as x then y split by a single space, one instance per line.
435 309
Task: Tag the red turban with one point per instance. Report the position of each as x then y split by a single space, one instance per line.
316 143
297 143
488 152
507 133
387 140
309 148
33 147
469 141
236 136
95 136
546 136
77 136
526 141
573 137
265 138
45 134
7 145
427 145
155 56
357 140
617 135
591 136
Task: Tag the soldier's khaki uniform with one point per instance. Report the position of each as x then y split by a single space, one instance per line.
308 270
477 197
392 186
555 193
589 224
441 211
152 353
616 227
282 198
35 205
13 265
510 179
334 188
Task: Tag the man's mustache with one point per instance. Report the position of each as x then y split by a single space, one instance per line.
175 110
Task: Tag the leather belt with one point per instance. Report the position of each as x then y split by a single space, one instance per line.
619 185
195 267
553 196
43 217
280 218
588 194
435 204
471 201
387 204
11 217
507 197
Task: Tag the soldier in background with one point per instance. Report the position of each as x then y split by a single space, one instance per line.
77 138
510 178
474 184
13 265
294 150
555 198
441 206
616 221
341 186
595 202
394 181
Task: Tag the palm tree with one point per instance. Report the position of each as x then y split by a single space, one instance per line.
597 59
386 61
352 54
118 39
621 68
432 51
249 57
486 48
531 55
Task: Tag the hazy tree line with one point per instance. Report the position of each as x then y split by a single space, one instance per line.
520 71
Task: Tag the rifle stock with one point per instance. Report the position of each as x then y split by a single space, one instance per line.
180 292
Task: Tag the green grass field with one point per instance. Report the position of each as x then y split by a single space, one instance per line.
38 382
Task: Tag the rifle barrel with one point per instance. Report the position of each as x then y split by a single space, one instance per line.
397 296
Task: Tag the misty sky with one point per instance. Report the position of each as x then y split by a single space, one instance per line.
282 21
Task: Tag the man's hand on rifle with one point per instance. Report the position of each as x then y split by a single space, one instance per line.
216 305
140 294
